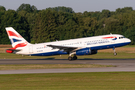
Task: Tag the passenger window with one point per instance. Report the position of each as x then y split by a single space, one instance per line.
121 37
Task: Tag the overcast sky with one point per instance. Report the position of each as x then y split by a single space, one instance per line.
76 5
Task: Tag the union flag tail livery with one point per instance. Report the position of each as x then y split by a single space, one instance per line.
73 47
17 41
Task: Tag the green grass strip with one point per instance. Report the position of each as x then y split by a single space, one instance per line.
50 66
100 55
69 81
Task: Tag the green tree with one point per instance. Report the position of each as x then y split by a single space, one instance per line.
2 8
62 9
105 14
45 27
130 33
30 18
12 19
90 25
27 7
124 10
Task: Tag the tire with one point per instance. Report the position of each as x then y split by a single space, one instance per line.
75 58
115 54
70 58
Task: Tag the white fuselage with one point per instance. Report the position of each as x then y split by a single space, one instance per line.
95 43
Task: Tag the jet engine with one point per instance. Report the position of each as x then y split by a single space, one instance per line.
86 51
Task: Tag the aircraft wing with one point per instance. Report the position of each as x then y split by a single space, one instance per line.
65 48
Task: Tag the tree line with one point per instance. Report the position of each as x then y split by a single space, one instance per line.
61 23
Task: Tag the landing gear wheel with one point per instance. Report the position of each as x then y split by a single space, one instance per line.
115 54
74 57
70 58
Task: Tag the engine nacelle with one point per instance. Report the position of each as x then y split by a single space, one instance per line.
86 51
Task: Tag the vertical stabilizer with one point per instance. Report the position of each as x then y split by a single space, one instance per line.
16 39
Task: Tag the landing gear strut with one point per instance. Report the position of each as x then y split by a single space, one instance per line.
72 58
114 52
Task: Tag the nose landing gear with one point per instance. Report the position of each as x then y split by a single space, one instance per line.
114 52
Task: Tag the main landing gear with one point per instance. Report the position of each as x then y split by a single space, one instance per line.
72 58
114 52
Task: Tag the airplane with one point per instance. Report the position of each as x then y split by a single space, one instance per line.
73 47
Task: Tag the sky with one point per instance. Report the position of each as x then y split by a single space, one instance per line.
76 5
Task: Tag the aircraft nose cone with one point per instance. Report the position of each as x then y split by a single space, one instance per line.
129 40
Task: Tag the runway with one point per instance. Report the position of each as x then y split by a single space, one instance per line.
126 65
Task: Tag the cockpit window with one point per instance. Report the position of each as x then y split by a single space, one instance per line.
121 37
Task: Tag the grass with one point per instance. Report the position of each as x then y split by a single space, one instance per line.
129 46
50 66
106 55
69 81
100 55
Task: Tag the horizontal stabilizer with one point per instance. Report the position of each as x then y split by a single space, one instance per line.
11 50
